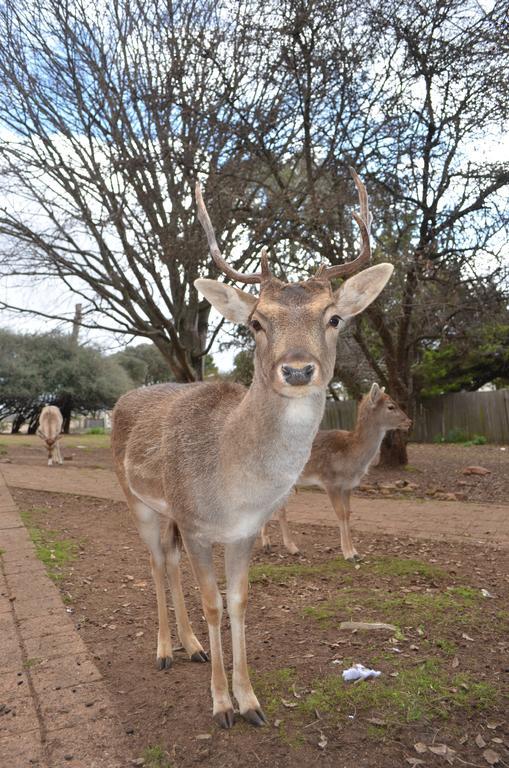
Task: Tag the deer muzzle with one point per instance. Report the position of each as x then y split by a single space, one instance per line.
298 377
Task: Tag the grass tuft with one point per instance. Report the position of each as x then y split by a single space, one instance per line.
55 553
156 757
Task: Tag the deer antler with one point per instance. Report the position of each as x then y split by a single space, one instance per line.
363 219
254 277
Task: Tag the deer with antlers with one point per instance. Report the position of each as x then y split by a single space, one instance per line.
339 460
50 430
215 460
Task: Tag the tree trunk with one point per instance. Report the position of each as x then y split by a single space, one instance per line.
393 452
18 422
66 411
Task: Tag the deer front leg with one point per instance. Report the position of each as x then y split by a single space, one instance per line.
200 556
340 501
285 531
237 556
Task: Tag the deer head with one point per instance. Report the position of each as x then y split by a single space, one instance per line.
295 325
383 410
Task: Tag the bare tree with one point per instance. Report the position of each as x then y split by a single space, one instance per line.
108 114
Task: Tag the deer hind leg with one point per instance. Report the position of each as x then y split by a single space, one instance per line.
285 531
237 556
340 500
172 546
147 521
58 453
265 538
200 556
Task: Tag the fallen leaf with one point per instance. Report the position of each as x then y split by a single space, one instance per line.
203 736
464 738
420 748
277 723
491 757
297 695
455 662
139 634
467 637
480 741
414 761
323 741
289 704
493 726
377 721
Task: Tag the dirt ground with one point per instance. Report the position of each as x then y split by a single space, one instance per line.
432 468
442 695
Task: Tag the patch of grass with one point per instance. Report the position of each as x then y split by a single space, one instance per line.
394 566
96 431
382 566
423 692
446 646
55 553
274 686
2 552
458 605
156 757
270 572
31 663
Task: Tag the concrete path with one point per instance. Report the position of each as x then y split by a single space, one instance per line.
429 519
55 710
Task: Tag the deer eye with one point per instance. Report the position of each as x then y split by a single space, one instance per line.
390 407
255 325
334 321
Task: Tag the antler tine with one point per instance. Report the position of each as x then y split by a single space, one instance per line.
364 220
203 216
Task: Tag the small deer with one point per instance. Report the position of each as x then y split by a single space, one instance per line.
50 430
215 460
340 459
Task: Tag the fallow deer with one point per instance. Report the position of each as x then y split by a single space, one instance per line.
215 460
50 430
340 459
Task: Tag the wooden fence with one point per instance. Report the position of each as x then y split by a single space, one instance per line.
462 413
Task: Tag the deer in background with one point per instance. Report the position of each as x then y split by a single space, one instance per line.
340 459
215 460
50 430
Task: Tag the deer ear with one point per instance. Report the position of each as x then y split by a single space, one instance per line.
375 392
359 291
230 302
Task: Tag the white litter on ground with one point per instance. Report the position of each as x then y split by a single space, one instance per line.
359 672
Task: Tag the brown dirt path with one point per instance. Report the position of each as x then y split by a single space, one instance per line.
429 519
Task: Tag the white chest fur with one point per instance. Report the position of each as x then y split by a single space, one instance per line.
255 489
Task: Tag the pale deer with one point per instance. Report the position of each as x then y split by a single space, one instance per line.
340 459
215 460
50 430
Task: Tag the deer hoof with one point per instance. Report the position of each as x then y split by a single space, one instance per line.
293 549
164 662
200 656
225 720
267 548
255 717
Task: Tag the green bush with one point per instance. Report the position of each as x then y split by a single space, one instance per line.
457 435
96 431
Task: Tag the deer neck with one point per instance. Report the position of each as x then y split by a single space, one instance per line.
367 439
270 436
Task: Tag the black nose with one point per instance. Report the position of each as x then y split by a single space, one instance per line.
297 376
